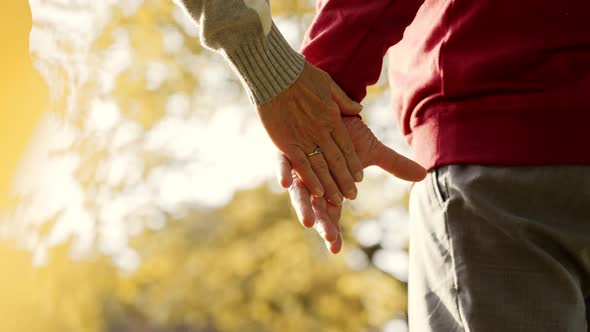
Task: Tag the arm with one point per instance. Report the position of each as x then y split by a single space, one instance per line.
243 31
298 104
349 38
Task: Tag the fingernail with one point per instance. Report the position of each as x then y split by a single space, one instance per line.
336 199
358 177
351 194
308 222
318 192
332 239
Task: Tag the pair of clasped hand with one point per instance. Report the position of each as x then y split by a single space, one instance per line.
323 149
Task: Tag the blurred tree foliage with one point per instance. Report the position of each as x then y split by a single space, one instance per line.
250 267
247 266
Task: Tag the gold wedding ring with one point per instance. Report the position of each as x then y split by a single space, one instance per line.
316 151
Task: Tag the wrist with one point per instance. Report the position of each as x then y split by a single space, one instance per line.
267 66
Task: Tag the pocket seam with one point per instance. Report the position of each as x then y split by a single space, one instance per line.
440 196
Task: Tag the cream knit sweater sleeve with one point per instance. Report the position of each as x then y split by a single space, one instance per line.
243 31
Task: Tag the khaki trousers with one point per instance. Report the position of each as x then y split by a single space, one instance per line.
500 249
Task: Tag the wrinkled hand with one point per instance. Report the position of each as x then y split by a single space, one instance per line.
325 217
307 116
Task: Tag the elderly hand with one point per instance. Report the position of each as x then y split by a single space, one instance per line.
325 217
307 116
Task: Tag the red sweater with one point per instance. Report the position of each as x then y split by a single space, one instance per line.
503 82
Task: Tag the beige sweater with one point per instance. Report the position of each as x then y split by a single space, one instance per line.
243 31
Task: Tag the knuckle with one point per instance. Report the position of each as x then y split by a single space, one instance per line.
349 151
331 106
324 125
298 160
330 109
320 165
338 160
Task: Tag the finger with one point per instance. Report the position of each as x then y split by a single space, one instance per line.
398 165
347 106
335 246
302 165
301 202
344 142
338 168
334 213
284 171
323 225
322 170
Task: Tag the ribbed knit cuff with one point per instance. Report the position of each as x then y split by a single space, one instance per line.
267 66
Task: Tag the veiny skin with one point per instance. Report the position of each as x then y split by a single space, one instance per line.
308 115
317 212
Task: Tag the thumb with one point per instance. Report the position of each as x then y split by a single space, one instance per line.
398 165
347 106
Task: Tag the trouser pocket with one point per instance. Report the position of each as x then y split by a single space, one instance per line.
438 185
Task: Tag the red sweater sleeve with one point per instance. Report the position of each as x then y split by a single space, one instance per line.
349 38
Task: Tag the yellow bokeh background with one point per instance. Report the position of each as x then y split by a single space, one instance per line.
92 258
24 95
